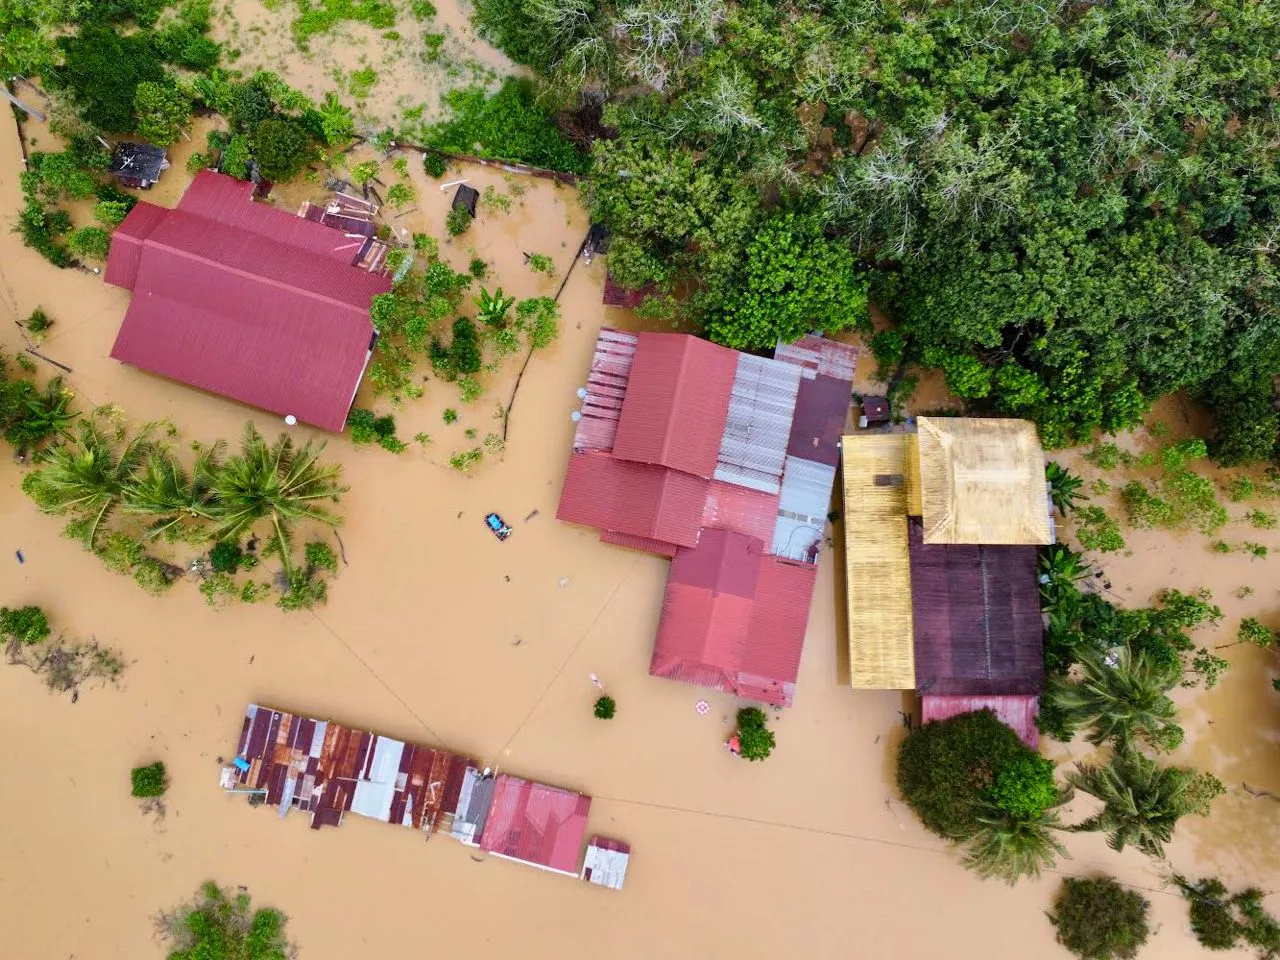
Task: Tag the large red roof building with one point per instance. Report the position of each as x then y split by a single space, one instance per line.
246 301
724 462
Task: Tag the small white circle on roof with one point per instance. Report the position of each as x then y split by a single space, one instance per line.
291 420
575 416
582 393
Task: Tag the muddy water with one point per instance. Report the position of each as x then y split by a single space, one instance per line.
435 631
407 78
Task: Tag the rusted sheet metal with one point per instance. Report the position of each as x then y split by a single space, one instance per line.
818 355
606 387
325 769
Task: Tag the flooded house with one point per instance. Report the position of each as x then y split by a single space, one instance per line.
327 770
138 165
246 301
723 462
942 528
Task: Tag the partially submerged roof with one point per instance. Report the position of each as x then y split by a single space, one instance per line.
605 863
143 162
982 481
536 824
877 562
676 403
734 618
466 198
978 627
1018 713
639 499
245 301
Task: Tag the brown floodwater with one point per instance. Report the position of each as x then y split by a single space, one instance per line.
437 632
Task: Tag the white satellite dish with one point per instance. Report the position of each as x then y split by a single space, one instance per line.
291 420
575 416
582 393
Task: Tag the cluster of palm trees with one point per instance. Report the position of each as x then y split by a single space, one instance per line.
104 475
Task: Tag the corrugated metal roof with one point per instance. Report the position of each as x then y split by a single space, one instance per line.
978 626
877 562
325 769
1016 712
474 800
127 241
606 862
758 423
817 355
248 302
802 510
616 295
734 619
740 509
822 413
536 824
660 547
676 403
606 387
632 498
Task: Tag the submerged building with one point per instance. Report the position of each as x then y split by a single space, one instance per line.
941 533
328 770
246 301
724 462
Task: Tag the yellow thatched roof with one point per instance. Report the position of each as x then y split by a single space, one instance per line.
982 481
877 566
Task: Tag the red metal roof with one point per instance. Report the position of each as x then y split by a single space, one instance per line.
1016 712
246 301
734 619
660 547
676 403
536 824
740 509
616 295
632 498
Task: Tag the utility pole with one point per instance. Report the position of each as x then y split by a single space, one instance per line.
32 111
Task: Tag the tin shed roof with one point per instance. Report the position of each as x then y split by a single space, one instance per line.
245 301
676 404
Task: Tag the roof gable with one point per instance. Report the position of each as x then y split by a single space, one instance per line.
632 498
676 403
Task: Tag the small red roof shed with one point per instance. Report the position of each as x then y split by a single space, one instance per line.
245 301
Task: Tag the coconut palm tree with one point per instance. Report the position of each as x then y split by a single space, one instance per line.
37 415
89 476
1121 696
276 483
171 494
1060 570
1142 801
1010 848
1064 487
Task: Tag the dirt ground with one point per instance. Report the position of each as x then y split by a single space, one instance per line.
436 632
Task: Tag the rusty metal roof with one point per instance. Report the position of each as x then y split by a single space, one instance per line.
605 388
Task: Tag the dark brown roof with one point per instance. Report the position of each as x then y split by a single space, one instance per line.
978 630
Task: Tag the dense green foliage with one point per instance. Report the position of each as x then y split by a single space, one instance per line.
25 624
225 556
149 781
1072 209
605 708
364 426
507 125
755 739
29 416
281 147
1142 801
1097 919
163 111
1221 920
221 926
951 771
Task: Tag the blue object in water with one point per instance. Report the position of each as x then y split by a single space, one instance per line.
241 764
21 558
499 528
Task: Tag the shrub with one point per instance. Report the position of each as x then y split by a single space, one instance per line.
605 708
435 164
399 195
110 213
1097 919
541 263
282 148
304 592
755 741
450 415
225 557
478 268
464 350
38 322
26 624
366 427
947 770
219 926
218 588
235 158
1024 787
1220 919
320 556
149 781
464 460
458 221
153 575
162 111
92 242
